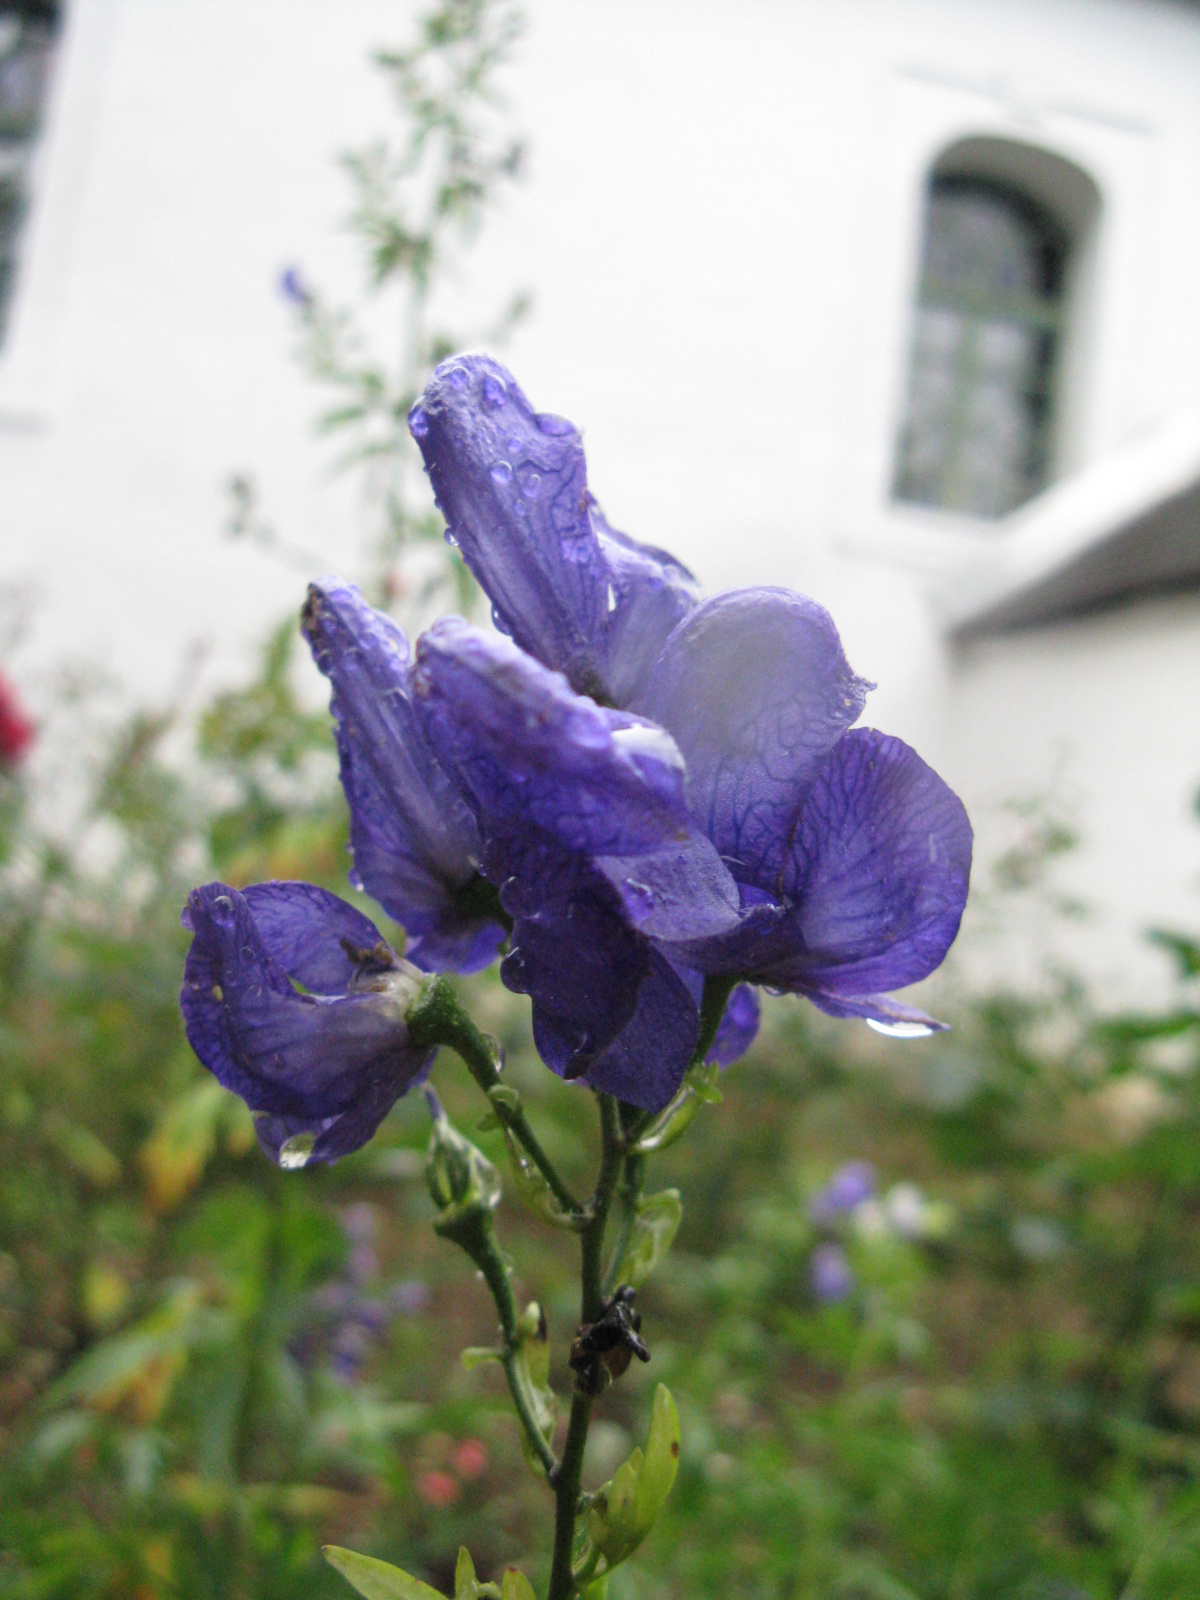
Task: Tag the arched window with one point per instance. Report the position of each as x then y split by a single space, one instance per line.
27 35
978 430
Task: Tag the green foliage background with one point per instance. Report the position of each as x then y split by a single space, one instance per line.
1006 1408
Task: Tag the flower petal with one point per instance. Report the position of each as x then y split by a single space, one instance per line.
879 869
536 758
884 1010
648 594
286 1053
415 845
755 688
606 1006
738 1027
336 1136
512 486
309 933
576 594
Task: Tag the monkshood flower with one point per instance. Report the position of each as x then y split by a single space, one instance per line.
415 844
848 857
846 1190
829 1275
293 1000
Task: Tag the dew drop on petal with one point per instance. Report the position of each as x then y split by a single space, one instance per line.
494 392
294 1152
418 422
501 472
556 427
901 1030
457 378
223 903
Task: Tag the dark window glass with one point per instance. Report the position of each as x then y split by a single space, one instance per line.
27 34
977 425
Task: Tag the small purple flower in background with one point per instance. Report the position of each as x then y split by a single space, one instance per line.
359 1225
293 288
829 1275
845 1191
409 1297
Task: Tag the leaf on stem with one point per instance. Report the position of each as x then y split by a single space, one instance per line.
377 1580
656 1222
626 1507
533 1188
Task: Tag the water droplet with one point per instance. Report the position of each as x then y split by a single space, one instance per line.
556 427
418 421
457 377
612 599
294 1152
222 903
494 393
529 478
641 894
501 472
901 1030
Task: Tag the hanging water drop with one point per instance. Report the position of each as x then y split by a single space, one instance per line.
294 1152
901 1030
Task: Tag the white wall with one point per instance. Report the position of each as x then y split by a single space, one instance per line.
720 228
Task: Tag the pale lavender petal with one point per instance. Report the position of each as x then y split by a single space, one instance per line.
755 689
649 593
887 1013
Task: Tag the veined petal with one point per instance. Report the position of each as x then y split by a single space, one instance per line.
512 486
305 1057
415 844
879 869
755 689
313 936
534 757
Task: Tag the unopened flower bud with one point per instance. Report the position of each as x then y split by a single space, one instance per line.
458 1174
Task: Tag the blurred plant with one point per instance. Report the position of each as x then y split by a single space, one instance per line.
420 203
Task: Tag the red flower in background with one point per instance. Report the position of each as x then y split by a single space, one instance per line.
16 729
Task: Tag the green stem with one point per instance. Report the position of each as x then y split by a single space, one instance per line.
436 1019
473 1231
570 1470
633 1175
566 1497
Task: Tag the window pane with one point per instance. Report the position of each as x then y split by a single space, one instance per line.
977 419
27 34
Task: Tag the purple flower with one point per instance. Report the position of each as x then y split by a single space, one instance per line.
295 1002
416 846
829 1275
849 857
408 1297
849 1187
294 289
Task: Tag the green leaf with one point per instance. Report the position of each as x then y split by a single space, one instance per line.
377 1580
657 1223
531 1373
627 1506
